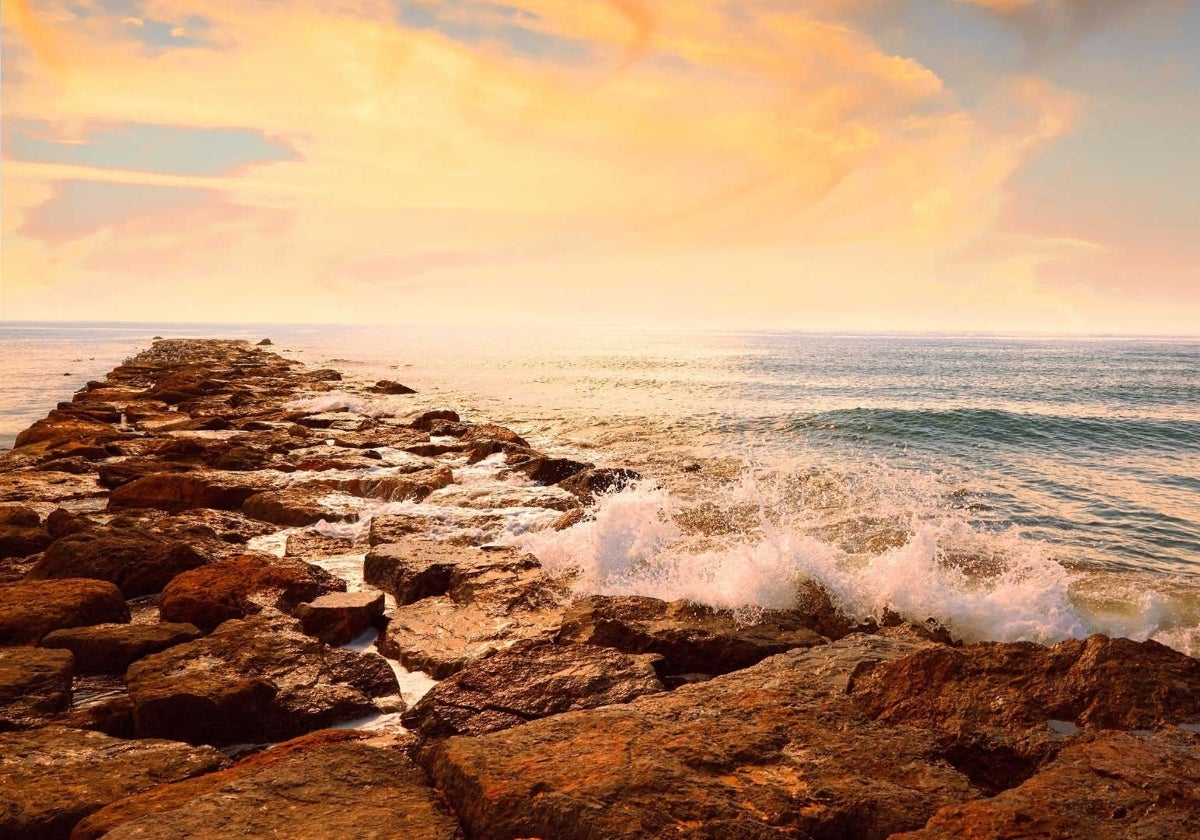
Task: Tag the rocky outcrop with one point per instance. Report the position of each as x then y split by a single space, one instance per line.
244 586
339 617
21 532
34 684
31 609
295 507
176 491
53 777
111 648
389 386
590 483
692 639
326 786
529 682
252 681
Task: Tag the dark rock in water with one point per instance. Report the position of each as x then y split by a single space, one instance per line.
330 785
219 489
528 682
1093 683
266 342
321 375
339 617
21 532
425 421
545 470
31 609
388 386
589 483
768 752
1112 786
111 648
34 683
53 777
295 507
243 586
140 559
251 681
691 638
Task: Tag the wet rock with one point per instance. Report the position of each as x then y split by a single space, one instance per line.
1092 683
31 609
590 483
339 617
220 489
767 752
61 523
426 420
412 569
266 342
53 777
329 785
388 386
529 682
139 558
111 648
691 638
393 486
59 428
21 532
34 683
242 586
296 507
504 496
251 681
1112 786
544 470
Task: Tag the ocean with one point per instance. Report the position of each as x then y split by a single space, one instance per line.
1010 487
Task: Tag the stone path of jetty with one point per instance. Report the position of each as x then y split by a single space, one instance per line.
226 612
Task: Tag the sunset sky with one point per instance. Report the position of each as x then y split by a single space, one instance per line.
809 164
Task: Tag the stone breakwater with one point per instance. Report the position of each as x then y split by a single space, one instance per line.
216 582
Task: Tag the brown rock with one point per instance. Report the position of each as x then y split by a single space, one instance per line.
768 752
546 470
426 420
388 386
220 489
111 648
529 682
295 507
253 680
590 483
31 609
1092 683
61 523
243 586
326 788
60 427
34 683
339 617
391 487
1112 786
691 638
21 532
53 777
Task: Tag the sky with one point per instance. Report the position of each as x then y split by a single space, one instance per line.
989 165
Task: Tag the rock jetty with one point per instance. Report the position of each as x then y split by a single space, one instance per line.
221 572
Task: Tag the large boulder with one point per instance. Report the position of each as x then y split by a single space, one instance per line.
60 427
1111 786
339 617
34 684
21 532
242 586
529 682
389 386
112 648
1096 682
31 609
588 484
772 751
139 558
326 786
690 637
53 777
176 491
254 680
296 507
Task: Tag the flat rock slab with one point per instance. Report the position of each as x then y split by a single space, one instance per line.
768 752
1114 786
531 682
254 680
112 648
243 586
176 491
327 788
296 507
34 683
53 777
692 638
31 609
339 617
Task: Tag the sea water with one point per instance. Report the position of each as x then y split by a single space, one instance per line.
1010 487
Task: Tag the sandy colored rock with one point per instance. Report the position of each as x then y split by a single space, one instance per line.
295 507
252 681
111 648
34 683
53 777
242 586
31 609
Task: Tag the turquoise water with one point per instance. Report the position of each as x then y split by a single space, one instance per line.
1086 449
